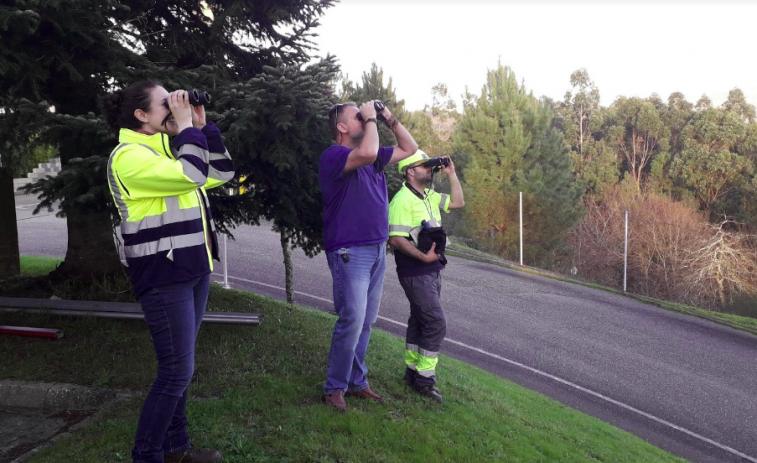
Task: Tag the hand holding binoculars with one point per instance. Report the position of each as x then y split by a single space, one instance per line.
436 163
379 105
196 98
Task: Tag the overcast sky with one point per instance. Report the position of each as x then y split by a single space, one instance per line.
629 48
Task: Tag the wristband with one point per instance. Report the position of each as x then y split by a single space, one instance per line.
391 123
371 119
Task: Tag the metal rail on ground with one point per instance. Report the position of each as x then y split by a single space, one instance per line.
118 310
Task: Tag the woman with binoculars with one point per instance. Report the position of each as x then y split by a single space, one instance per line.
167 156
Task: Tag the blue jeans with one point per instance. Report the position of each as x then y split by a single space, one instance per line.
174 314
357 296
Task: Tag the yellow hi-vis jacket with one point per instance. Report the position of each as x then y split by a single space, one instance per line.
159 186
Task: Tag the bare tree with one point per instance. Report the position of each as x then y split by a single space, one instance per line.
724 267
674 252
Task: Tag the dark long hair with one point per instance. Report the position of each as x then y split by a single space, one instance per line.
118 107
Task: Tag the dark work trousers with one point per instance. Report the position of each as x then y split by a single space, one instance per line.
174 314
426 326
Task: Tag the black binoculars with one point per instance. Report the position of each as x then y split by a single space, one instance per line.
436 163
196 98
379 105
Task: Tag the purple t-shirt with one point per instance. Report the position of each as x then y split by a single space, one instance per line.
355 205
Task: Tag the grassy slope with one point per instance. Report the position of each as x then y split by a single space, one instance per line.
256 397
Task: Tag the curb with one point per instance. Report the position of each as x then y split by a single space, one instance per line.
53 395
61 396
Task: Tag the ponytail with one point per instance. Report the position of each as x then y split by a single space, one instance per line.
118 107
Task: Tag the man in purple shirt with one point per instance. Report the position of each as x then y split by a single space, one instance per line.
356 228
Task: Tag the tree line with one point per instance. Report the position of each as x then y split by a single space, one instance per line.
684 171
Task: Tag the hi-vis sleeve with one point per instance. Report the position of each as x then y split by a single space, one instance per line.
141 172
400 217
220 168
442 201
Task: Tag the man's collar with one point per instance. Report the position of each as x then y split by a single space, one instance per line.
417 193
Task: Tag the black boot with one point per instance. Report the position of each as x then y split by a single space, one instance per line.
409 377
432 392
193 455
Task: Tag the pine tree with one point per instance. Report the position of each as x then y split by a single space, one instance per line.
55 58
508 137
276 124
64 55
421 127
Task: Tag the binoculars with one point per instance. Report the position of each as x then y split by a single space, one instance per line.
436 163
379 105
196 98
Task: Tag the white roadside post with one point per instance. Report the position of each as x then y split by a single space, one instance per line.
625 256
225 254
521 228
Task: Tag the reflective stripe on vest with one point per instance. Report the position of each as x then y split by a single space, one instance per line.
172 215
115 187
207 204
164 244
400 228
155 221
190 170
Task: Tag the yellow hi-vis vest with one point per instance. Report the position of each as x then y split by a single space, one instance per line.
158 186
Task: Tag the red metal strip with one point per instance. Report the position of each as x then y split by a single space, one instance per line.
31 332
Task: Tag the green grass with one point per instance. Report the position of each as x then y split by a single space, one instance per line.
735 321
33 266
256 397
35 283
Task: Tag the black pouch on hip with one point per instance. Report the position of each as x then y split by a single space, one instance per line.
431 235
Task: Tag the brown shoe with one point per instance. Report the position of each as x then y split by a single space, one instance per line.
193 455
367 393
335 400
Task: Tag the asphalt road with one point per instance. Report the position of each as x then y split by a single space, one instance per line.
684 384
